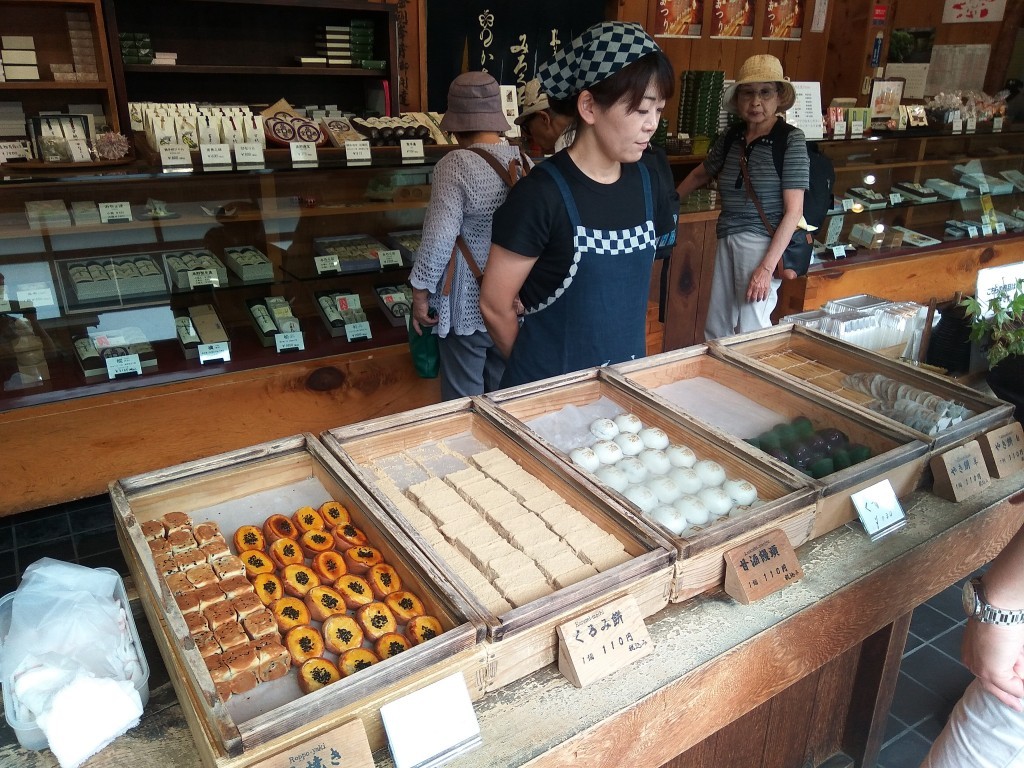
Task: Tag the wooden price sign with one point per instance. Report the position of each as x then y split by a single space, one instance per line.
760 567
602 641
345 746
1003 449
960 473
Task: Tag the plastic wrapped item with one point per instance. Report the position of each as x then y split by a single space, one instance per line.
918 409
860 301
855 326
810 319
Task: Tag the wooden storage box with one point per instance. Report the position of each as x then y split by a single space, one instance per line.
787 501
435 441
811 360
259 481
896 455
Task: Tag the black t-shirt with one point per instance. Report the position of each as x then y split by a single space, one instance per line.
534 222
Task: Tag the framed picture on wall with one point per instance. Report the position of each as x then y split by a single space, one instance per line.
733 19
886 94
679 18
783 20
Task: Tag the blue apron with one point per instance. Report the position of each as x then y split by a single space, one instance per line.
598 315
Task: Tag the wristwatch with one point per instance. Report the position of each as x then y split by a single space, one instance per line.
977 607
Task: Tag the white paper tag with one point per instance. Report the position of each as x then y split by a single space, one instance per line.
1000 228
878 508
986 230
839 131
349 301
198 277
390 258
175 156
34 295
895 198
856 129
972 231
848 204
437 720
249 153
412 149
11 150
124 365
958 125
972 124
5 303
79 150
215 155
358 151
287 342
326 264
303 152
838 251
997 125
220 351
358 331
111 213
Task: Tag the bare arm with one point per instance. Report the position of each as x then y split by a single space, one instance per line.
505 274
792 210
695 179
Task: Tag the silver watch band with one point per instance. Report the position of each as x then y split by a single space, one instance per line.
989 614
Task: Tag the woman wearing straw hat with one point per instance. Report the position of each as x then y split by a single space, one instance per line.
744 288
576 239
465 192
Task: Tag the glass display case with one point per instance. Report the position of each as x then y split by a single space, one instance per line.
113 281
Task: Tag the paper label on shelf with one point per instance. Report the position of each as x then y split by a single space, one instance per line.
11 150
199 277
960 473
390 258
391 298
1004 450
602 641
215 156
303 152
34 295
958 126
79 150
326 264
412 149
357 151
114 213
848 204
249 153
287 342
428 726
1000 228
358 331
348 301
219 352
972 231
761 566
123 365
175 157
895 198
839 129
878 509
972 124
5 303
857 129
838 251
346 746
997 125
986 230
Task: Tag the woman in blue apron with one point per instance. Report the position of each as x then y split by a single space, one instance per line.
575 241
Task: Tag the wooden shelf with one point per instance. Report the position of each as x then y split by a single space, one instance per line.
210 69
51 85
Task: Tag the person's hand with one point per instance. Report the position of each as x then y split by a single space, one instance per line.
517 305
995 655
421 311
760 286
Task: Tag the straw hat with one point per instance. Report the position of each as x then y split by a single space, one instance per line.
534 101
474 104
762 68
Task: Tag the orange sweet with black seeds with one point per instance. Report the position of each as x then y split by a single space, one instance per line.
361 559
334 514
342 633
352 661
376 619
299 579
268 587
390 645
348 535
315 542
303 643
329 566
314 674
279 527
405 605
383 580
256 562
422 628
308 519
289 612
323 602
249 537
286 552
355 590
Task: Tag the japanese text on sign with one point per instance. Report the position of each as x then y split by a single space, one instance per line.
602 641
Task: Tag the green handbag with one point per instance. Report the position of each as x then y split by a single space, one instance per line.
425 355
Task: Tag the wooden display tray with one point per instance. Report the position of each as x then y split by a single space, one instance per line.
750 349
789 501
235 476
897 456
523 639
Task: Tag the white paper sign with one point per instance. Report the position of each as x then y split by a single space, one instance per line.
124 365
895 198
878 509
115 212
326 264
986 230
198 277
287 342
390 258
958 125
848 204
358 331
249 153
219 352
972 231
805 113
992 280
838 251
412 149
175 157
35 295
997 125
303 152
856 129
79 150
1000 228
839 129
972 124
357 151
215 155
437 720
5 303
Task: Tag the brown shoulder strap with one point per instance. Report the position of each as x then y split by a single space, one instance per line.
449 277
752 195
503 172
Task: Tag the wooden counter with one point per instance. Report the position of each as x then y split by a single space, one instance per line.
807 673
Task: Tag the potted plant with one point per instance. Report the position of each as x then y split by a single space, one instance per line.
998 325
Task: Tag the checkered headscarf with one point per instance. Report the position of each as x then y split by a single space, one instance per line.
594 56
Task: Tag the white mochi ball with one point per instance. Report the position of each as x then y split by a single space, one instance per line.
642 496
716 500
629 442
613 477
585 458
670 517
681 455
686 479
693 509
664 488
709 472
603 429
635 470
654 438
627 422
742 492
607 452
656 461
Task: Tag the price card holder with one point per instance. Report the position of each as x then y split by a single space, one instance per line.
289 342
327 264
431 725
122 366
249 154
219 352
857 129
838 251
346 745
201 277
895 198
997 125
79 150
960 473
972 231
839 130
358 153
390 258
971 124
358 331
115 213
175 158
5 302
848 204
986 230
761 566
606 639
215 157
303 154
879 510
1000 228
34 295
412 149
1003 450
958 125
